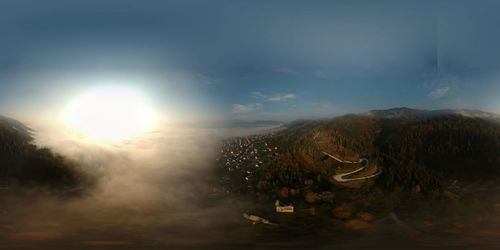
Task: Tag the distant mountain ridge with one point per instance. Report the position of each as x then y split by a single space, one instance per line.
404 112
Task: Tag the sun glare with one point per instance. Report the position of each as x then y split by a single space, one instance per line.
110 114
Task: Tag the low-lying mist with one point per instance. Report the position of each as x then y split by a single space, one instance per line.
149 190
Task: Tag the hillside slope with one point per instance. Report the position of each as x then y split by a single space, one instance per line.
405 149
22 164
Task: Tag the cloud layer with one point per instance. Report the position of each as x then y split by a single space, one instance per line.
242 108
439 92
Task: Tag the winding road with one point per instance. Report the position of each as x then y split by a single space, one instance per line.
342 177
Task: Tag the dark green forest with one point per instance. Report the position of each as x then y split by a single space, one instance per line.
417 151
22 164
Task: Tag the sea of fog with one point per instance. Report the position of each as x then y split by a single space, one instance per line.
149 191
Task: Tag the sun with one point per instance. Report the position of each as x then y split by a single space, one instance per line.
110 114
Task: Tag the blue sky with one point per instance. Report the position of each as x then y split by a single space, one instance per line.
278 60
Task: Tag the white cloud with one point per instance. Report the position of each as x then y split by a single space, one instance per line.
272 98
281 98
257 94
439 92
241 108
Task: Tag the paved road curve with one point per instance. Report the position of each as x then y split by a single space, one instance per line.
340 177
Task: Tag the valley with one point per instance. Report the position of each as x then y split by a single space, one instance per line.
371 163
429 178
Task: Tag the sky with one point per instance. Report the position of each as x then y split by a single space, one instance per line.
252 60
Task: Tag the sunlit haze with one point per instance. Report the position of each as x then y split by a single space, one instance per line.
110 114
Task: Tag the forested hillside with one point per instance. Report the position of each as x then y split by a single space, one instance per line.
414 151
23 164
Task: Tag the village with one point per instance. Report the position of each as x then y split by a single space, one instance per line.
240 159
239 162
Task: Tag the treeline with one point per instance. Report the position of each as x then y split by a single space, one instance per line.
23 164
443 148
419 155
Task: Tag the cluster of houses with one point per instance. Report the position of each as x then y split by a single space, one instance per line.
240 158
